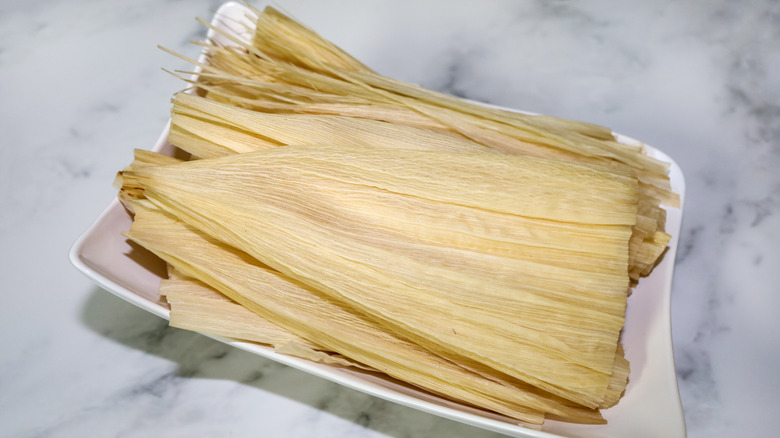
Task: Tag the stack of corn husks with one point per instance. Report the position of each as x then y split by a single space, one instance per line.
355 220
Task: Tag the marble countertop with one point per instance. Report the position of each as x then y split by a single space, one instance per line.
82 86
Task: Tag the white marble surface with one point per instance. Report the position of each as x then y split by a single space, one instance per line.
81 86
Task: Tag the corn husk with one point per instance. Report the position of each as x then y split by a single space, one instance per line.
317 244
208 129
308 313
196 306
291 61
288 68
477 253
236 130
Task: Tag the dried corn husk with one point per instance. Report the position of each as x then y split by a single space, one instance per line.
442 238
291 61
208 129
310 314
290 69
237 130
196 306
299 204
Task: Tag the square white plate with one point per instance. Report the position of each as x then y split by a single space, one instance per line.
650 407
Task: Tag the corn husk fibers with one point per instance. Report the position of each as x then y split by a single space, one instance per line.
300 211
306 75
338 328
198 307
355 220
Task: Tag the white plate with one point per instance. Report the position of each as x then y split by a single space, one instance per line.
650 407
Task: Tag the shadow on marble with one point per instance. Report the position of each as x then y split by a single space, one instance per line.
198 357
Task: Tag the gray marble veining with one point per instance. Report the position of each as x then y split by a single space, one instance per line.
82 86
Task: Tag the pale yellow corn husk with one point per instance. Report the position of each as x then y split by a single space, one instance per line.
650 252
129 189
215 309
296 129
274 27
618 381
244 131
196 146
298 45
173 273
221 123
149 158
461 116
195 306
271 24
523 289
616 387
215 313
303 352
657 193
211 139
504 139
282 180
276 79
309 314
490 132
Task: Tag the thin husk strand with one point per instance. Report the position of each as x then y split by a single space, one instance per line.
272 23
297 350
277 71
618 380
274 27
195 145
617 384
650 253
411 272
311 315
